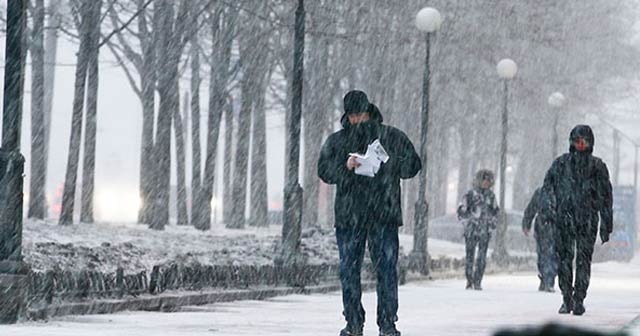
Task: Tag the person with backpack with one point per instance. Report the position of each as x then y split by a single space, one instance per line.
478 212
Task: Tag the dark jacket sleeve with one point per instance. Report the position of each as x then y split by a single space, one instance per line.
408 159
464 210
495 207
606 198
530 211
331 168
548 202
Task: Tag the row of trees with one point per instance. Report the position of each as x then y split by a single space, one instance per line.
241 50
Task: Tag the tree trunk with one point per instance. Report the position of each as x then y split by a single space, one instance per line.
464 167
196 164
178 128
69 192
443 175
259 197
227 186
170 44
221 46
242 158
167 73
316 115
50 59
148 88
37 199
89 158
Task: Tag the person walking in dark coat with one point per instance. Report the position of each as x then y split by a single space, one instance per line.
577 191
367 209
544 234
478 212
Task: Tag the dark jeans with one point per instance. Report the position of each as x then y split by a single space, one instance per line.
383 249
568 245
471 242
547 264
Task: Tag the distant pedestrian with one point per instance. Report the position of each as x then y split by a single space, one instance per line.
544 234
478 212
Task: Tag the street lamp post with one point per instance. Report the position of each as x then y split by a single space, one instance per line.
12 269
428 20
507 70
291 227
556 100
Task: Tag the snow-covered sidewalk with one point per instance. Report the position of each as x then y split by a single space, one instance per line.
434 308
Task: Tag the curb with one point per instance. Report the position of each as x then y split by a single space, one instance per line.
172 301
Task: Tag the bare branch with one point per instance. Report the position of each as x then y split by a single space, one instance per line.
126 70
126 24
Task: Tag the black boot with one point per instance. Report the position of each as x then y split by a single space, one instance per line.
469 285
477 286
567 305
390 332
541 287
351 331
578 308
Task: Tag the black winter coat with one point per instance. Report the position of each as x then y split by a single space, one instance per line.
534 209
577 189
361 200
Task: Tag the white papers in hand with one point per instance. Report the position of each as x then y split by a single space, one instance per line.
371 160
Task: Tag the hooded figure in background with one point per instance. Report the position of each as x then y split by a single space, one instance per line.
577 194
544 233
478 212
367 209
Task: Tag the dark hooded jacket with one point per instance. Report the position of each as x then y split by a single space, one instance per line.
362 199
577 189
534 210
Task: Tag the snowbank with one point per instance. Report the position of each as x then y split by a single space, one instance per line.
106 246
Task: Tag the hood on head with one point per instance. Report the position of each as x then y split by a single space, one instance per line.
374 115
481 175
581 131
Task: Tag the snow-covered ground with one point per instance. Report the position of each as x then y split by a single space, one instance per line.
440 307
106 246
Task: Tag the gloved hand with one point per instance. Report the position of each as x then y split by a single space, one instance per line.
604 236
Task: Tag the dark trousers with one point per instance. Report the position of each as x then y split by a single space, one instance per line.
547 264
568 245
482 243
383 249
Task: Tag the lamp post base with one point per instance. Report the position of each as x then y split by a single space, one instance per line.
13 289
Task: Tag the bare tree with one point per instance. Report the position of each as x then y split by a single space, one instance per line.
223 30
259 197
89 157
196 169
181 192
227 169
37 200
89 16
172 37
